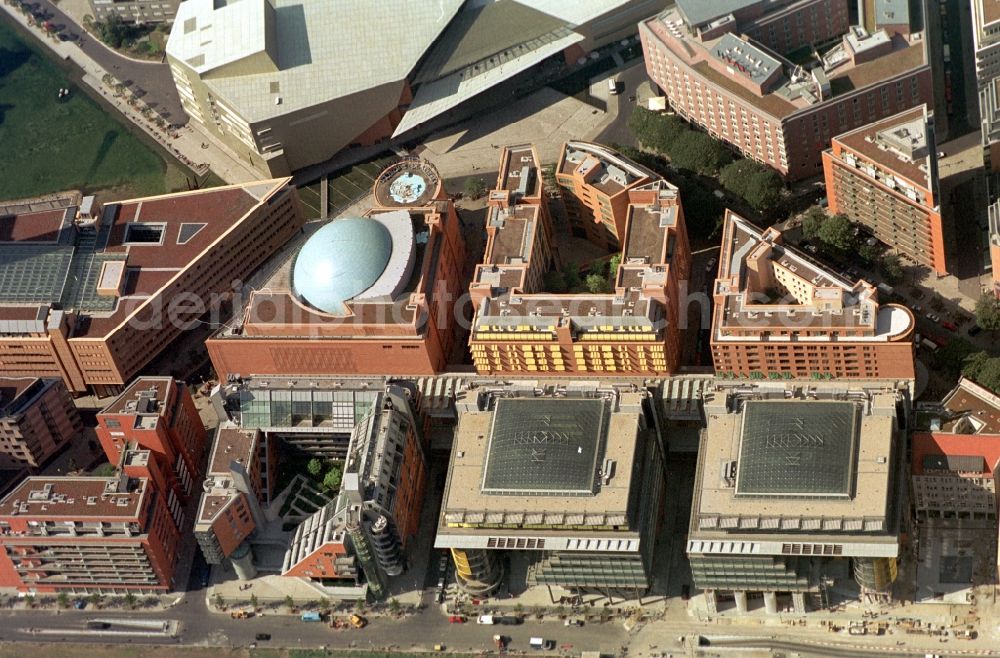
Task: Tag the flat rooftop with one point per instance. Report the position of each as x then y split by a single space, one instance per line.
602 168
797 450
898 143
231 444
802 453
535 461
145 395
972 409
519 170
152 240
77 498
785 96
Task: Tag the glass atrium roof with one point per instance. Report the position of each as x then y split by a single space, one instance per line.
798 448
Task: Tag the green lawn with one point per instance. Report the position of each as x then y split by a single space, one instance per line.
51 145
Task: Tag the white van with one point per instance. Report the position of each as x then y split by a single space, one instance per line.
613 86
485 619
536 643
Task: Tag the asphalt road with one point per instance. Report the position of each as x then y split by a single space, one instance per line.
153 78
629 80
422 630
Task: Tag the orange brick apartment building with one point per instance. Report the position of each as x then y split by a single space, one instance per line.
37 419
778 314
363 295
885 176
744 92
594 182
521 329
89 301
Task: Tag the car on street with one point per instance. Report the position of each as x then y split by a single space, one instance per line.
930 316
508 620
456 619
485 619
974 330
262 637
573 622
950 326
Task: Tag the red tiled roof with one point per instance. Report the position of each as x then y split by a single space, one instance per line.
933 443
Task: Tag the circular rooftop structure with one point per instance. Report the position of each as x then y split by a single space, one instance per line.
407 184
355 257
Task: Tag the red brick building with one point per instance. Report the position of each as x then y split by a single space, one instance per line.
727 74
779 314
362 295
87 534
157 414
234 488
91 301
37 419
885 176
523 328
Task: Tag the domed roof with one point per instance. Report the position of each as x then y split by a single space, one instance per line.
340 261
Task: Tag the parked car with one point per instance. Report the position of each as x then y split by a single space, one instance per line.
485 619
262 637
456 619
930 316
573 622
974 330
950 326
79 604
508 620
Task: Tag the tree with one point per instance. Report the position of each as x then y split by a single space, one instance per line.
359 605
324 605
812 221
394 606
253 601
837 232
756 184
95 600
315 467
331 481
892 268
114 31
653 130
474 187
870 253
219 601
952 357
104 470
63 600
698 152
129 600
597 283
571 276
984 370
988 312
289 603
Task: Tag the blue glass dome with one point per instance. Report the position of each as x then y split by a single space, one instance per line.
340 261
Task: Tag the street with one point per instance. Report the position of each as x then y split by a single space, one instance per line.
151 77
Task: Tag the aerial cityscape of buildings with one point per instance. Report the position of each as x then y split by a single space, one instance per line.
527 366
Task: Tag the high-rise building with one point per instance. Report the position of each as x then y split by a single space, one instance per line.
524 323
236 484
795 494
367 295
367 528
594 184
37 419
93 299
779 314
566 482
885 176
93 534
280 87
723 66
157 414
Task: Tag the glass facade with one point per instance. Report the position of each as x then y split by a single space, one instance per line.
737 572
285 408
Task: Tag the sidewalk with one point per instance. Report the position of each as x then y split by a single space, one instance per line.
187 145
